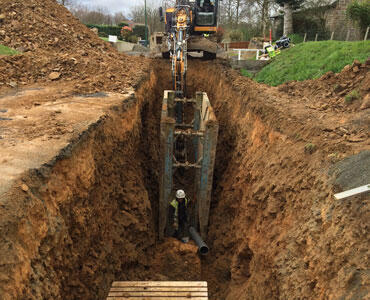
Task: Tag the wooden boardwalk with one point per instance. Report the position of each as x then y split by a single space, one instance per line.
158 290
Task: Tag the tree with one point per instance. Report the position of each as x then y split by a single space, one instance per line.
234 12
264 8
289 6
87 15
65 2
118 18
137 15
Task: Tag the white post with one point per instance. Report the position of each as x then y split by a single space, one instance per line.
347 37
305 36
332 36
316 37
367 33
239 54
258 54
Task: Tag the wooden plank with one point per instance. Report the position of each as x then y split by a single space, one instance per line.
156 298
168 289
158 290
159 283
158 294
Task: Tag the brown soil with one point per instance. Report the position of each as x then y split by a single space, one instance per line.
57 47
79 184
275 230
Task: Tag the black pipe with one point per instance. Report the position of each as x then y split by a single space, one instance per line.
202 246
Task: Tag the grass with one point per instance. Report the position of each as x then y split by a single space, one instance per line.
310 148
352 96
311 60
246 73
105 39
4 50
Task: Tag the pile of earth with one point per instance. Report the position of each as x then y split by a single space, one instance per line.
336 91
56 46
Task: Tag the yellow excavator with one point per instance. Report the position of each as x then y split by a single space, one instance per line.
189 127
189 25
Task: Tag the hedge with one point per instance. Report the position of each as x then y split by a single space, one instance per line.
139 30
107 29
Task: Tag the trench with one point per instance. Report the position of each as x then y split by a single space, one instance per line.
92 216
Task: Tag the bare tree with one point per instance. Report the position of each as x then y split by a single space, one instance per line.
264 8
168 3
65 2
118 18
137 15
87 15
233 12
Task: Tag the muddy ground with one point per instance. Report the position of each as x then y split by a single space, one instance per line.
79 155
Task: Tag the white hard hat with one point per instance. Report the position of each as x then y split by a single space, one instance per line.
180 194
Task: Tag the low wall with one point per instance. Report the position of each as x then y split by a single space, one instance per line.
123 46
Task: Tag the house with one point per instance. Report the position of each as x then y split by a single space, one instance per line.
337 22
327 17
132 24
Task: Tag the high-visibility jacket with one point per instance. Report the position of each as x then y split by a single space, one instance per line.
271 51
175 204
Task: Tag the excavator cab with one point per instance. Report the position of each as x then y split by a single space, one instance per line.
205 16
201 24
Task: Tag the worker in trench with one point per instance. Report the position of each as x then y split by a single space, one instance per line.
179 217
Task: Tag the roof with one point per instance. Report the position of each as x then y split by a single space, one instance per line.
321 3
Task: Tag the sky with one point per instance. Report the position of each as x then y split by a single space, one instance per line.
114 6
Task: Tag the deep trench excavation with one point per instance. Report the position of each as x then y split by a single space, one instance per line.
90 217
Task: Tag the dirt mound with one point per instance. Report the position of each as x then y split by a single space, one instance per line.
46 25
56 46
334 91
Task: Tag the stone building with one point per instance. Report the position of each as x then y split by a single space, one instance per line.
337 22
333 14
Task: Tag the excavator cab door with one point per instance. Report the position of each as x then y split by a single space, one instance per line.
206 15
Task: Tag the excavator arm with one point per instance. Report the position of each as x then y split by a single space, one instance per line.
179 38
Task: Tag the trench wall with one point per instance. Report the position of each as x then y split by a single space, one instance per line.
276 231
86 218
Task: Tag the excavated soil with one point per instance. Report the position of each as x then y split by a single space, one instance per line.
79 165
88 216
55 46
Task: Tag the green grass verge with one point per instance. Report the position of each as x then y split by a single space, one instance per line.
105 39
246 73
4 50
311 60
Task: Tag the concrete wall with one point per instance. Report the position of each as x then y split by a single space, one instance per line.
123 46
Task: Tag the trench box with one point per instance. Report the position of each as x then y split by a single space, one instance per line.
202 128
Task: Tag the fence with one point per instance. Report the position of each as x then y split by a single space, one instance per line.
320 36
248 50
236 45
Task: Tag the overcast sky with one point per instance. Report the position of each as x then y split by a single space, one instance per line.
117 5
